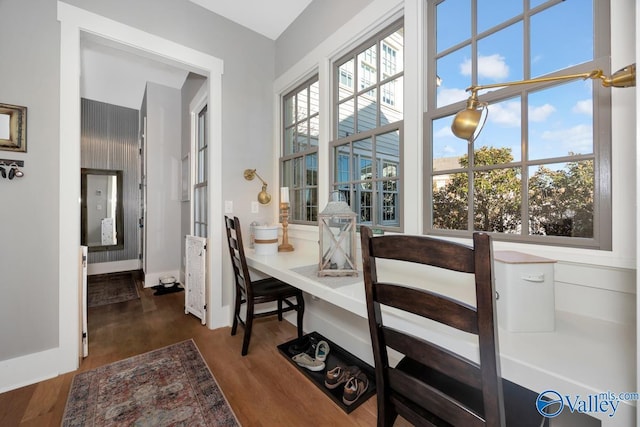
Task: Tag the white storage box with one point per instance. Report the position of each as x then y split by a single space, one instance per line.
525 287
266 239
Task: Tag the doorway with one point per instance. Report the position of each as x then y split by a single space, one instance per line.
74 23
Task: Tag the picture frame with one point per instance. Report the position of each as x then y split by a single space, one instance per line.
186 179
13 128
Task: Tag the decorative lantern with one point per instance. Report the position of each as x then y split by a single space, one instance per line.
337 228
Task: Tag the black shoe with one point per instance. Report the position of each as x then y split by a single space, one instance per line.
306 344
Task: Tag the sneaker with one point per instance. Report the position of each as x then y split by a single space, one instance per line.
339 375
322 351
306 344
354 388
306 361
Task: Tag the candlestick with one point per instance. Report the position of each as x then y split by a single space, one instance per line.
284 214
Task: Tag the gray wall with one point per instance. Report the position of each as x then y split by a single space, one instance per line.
30 76
109 140
317 22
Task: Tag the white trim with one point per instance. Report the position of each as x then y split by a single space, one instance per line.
29 369
113 267
73 22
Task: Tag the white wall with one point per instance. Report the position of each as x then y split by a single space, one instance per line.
163 178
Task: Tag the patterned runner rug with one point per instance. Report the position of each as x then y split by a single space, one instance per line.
169 386
111 288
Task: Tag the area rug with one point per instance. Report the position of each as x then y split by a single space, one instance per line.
165 387
111 288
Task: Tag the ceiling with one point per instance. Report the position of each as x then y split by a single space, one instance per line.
267 17
118 75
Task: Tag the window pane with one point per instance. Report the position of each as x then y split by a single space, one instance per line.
302 104
549 27
367 111
314 100
391 109
450 210
288 140
389 202
312 169
497 200
362 157
296 204
302 137
500 56
392 54
345 80
342 156
388 154
314 131
345 117
288 111
454 74
287 173
453 23
501 133
561 199
494 12
298 173
367 65
447 149
561 121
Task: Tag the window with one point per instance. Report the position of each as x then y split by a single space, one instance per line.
200 204
538 172
368 128
299 162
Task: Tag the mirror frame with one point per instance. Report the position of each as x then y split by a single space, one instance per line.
119 209
17 140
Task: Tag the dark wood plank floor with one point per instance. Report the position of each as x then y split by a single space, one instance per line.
262 387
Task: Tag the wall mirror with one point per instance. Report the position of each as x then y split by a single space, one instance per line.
102 218
13 128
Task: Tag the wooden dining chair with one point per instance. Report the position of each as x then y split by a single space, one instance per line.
254 292
432 385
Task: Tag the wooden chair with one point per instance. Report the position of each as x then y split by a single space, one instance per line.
259 291
432 385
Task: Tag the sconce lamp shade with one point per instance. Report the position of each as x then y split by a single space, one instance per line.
468 123
263 196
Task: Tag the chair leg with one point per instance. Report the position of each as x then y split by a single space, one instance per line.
279 309
234 326
248 323
300 310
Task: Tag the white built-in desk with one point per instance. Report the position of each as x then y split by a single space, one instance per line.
583 356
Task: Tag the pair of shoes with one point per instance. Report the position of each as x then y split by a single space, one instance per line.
354 388
339 375
306 361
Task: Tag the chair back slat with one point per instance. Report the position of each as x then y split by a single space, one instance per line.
238 259
430 305
429 354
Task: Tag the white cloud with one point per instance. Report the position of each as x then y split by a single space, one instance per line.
443 132
540 114
583 107
450 96
577 139
491 67
506 114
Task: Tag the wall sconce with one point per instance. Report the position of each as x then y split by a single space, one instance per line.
468 123
263 197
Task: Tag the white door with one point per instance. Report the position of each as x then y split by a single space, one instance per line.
195 277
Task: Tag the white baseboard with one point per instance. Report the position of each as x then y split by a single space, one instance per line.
113 267
30 369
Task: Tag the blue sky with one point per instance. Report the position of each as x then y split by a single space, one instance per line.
560 118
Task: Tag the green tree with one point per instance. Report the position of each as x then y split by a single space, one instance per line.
496 198
561 201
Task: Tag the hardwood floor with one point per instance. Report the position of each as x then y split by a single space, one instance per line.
262 387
